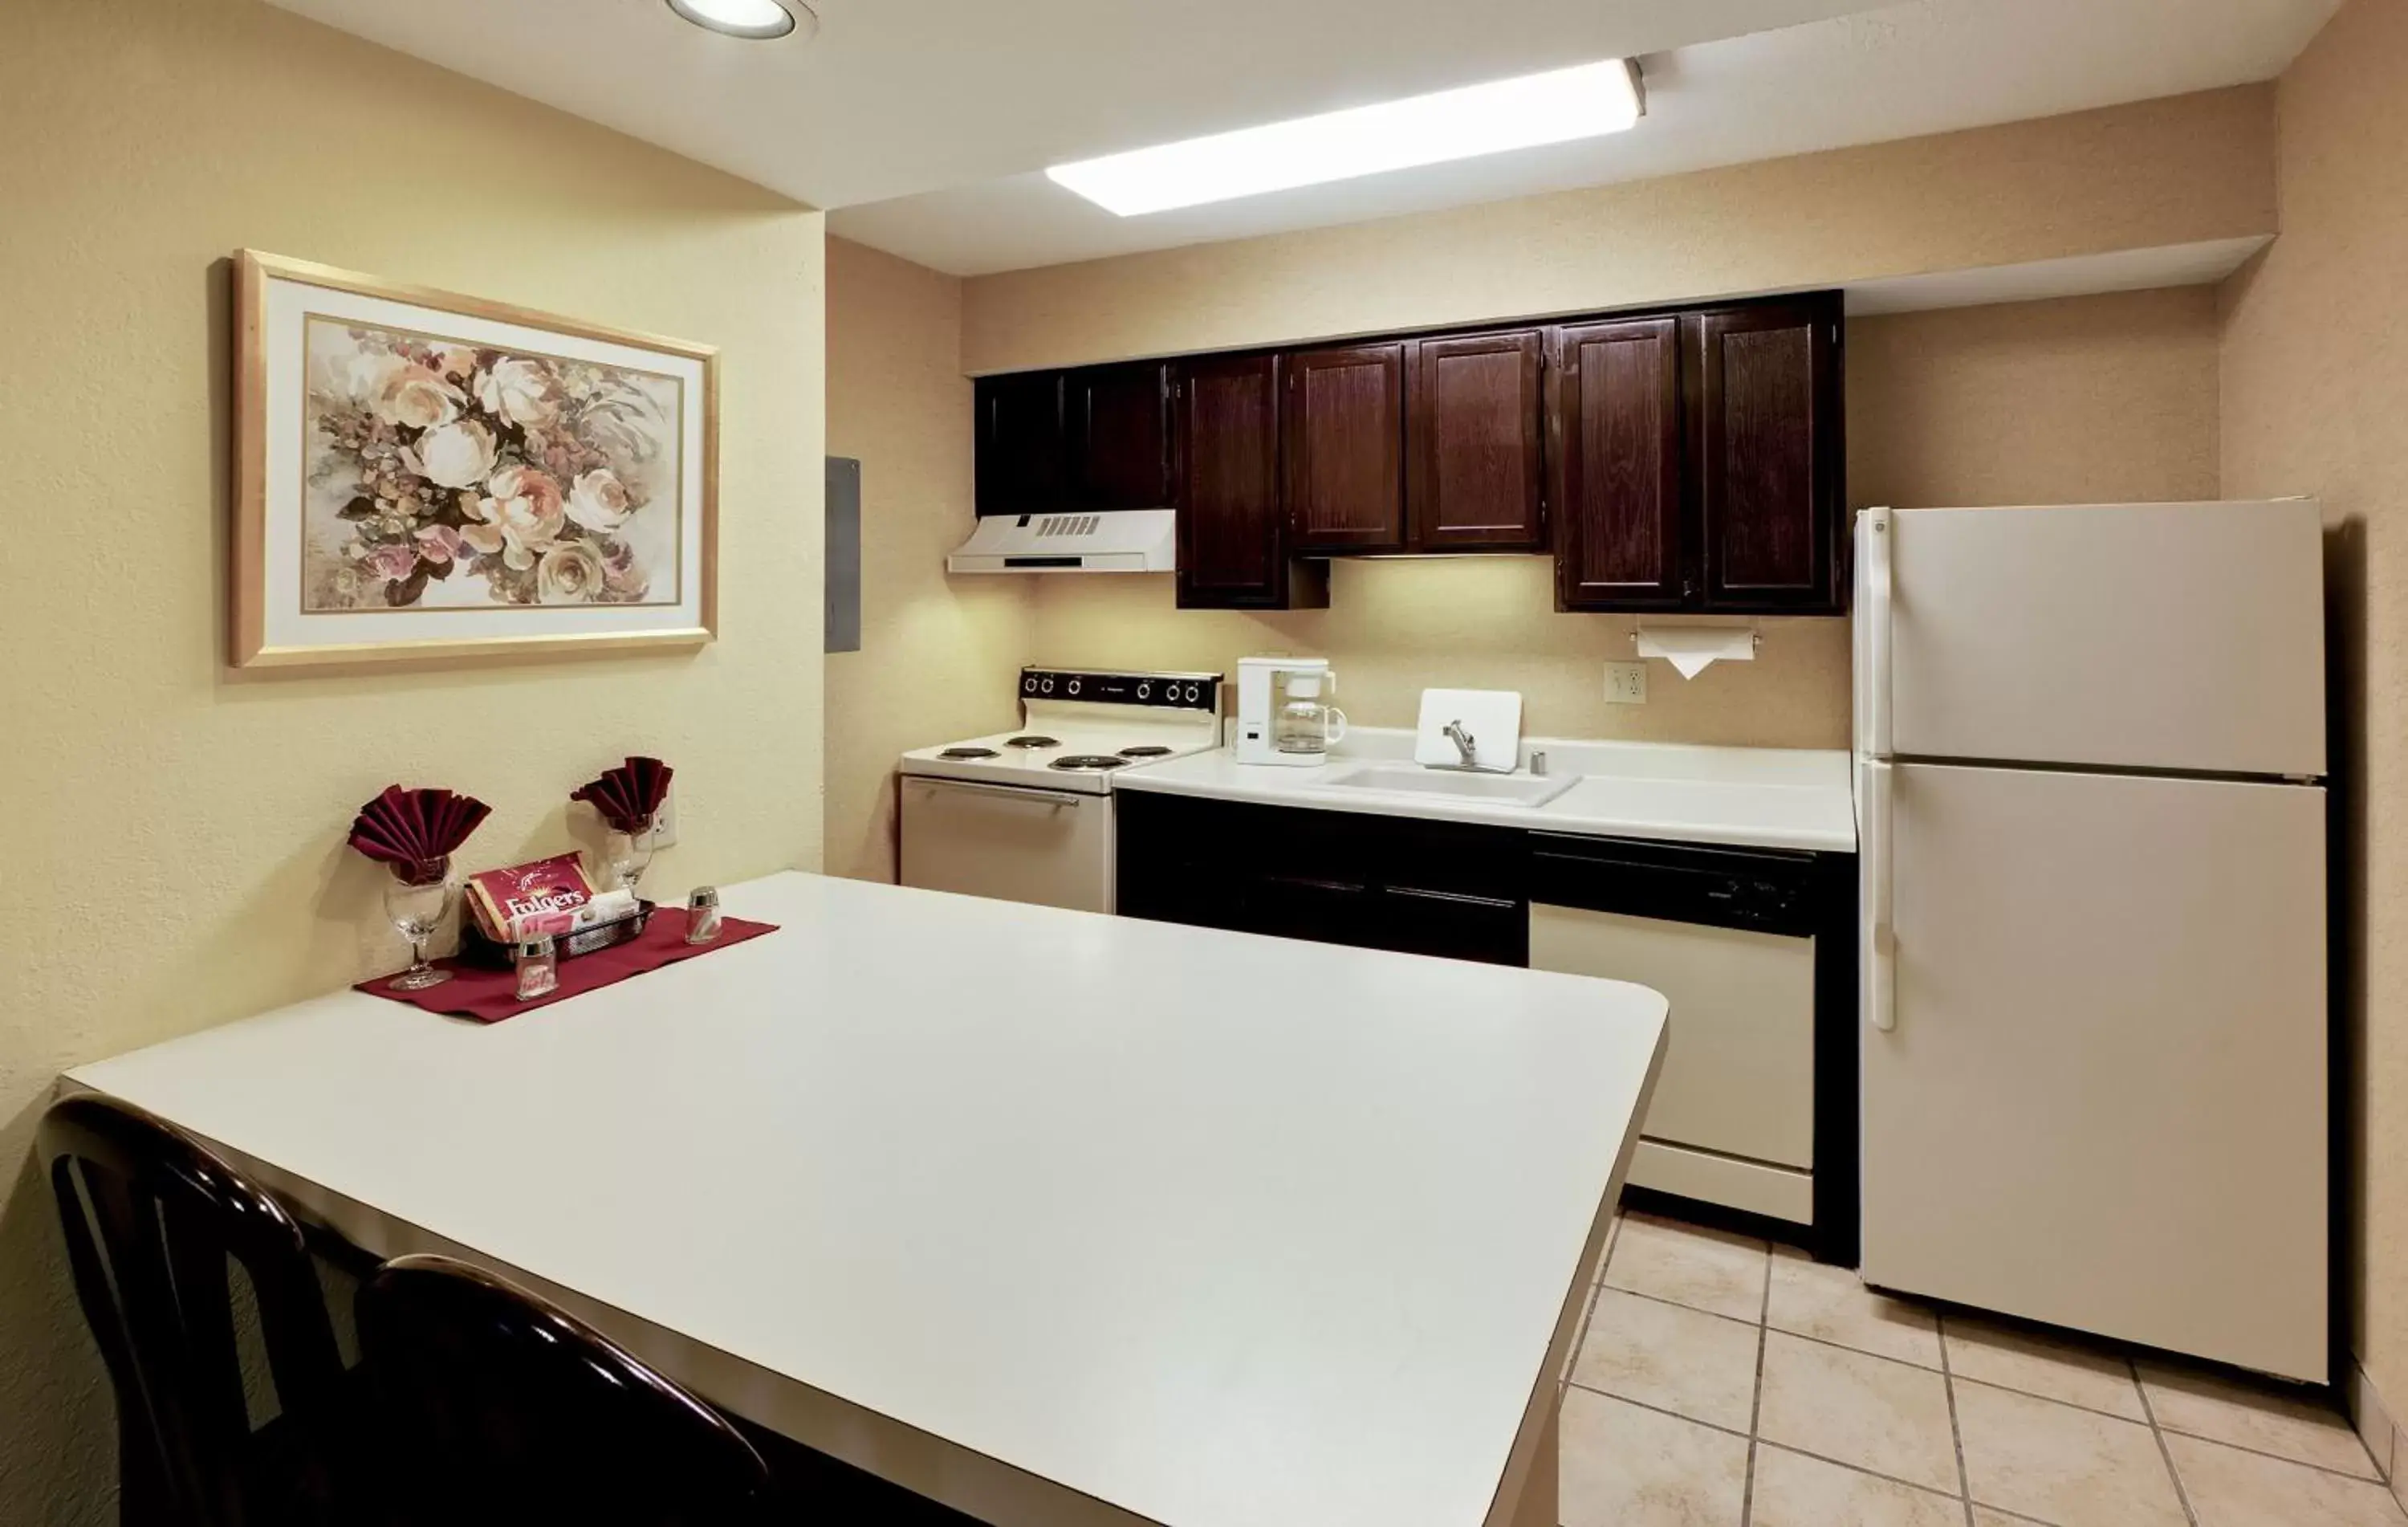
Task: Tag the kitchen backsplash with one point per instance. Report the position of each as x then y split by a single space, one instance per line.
1395 627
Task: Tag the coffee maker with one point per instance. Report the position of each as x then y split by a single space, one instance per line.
1283 714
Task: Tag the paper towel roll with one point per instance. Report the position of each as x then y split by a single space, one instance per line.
1690 648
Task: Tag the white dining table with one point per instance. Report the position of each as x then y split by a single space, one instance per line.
1054 1217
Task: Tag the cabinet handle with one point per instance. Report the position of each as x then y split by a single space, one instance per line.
1015 793
1456 898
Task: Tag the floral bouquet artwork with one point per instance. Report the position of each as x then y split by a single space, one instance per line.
424 475
444 473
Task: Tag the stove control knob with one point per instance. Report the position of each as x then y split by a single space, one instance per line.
1072 687
1029 685
1191 693
1145 691
1045 687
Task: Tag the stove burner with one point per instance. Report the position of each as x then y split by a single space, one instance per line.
1032 740
1087 763
967 753
1146 750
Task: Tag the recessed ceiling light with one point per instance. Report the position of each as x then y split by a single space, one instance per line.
749 18
1584 101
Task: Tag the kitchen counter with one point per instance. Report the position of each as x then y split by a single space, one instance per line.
1761 798
1058 1218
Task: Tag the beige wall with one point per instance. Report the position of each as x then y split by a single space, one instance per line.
2315 400
937 654
2162 172
2040 402
173 842
2101 398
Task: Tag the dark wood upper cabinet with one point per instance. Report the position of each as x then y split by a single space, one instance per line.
1684 460
1766 441
1343 418
1020 443
1476 478
1614 440
1117 420
1232 540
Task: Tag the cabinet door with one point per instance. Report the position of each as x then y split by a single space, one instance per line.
1118 420
1345 443
1765 390
1230 539
1476 480
1614 440
1020 444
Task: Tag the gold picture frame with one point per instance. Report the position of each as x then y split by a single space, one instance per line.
552 485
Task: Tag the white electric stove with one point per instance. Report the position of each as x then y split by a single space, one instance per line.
1025 816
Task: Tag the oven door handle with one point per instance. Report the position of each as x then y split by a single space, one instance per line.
1006 792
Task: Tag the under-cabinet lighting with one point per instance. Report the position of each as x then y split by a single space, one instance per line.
1585 100
756 19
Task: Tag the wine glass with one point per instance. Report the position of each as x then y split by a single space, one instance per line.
631 854
417 911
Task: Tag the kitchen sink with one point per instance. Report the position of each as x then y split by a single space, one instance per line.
1413 779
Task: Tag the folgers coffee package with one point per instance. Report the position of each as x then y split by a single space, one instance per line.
501 896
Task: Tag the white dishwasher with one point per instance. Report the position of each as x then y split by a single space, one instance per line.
1746 946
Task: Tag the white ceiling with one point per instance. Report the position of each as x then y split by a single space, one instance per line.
928 122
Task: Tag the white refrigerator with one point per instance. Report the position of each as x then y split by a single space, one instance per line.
2090 750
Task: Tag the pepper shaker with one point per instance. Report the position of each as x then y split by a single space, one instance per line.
538 962
702 914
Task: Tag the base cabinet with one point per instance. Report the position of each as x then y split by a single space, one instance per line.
1754 1120
1334 877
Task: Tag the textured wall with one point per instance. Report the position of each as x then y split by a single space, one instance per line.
174 833
2170 171
2315 400
938 654
2099 398
2086 397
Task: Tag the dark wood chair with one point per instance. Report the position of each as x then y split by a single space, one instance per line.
153 1219
497 1407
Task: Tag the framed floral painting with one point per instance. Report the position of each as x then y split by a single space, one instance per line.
426 476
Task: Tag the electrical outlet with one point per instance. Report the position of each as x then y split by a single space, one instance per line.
664 821
1626 684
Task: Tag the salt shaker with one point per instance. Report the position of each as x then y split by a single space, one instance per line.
702 914
538 962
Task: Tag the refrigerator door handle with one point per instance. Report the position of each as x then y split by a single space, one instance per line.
1878 529
1880 934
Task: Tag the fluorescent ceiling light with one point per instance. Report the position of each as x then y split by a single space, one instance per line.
757 18
1585 100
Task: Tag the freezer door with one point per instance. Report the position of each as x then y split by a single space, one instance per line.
2186 637
2101 1103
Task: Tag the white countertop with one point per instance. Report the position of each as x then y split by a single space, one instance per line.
1763 797
1058 1217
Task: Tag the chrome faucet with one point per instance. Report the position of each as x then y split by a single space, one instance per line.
1462 740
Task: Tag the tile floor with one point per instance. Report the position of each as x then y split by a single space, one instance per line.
1723 1383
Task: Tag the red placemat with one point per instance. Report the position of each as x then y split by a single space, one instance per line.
489 996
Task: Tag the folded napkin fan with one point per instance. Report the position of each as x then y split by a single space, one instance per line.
628 796
413 833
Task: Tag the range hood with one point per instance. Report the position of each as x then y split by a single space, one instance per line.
1121 541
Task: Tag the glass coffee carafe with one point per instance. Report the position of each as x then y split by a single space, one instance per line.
1304 726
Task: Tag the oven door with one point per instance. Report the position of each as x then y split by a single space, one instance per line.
1051 847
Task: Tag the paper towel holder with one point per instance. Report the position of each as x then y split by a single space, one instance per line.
1754 636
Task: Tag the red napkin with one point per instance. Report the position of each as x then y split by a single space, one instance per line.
489 996
413 833
628 795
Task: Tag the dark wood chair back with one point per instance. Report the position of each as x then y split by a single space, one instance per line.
497 1407
152 1217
